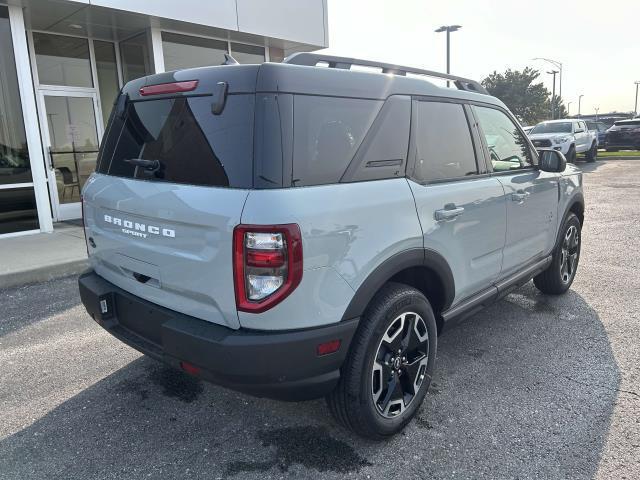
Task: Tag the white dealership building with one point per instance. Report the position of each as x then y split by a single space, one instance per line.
62 63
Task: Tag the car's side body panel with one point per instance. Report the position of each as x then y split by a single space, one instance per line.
347 231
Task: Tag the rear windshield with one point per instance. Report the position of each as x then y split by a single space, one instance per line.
628 123
183 140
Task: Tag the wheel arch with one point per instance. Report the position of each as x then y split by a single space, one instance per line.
423 269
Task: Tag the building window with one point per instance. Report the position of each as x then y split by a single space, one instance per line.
18 210
183 51
136 61
247 53
107 72
62 60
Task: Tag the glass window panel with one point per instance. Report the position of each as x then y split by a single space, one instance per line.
74 143
136 61
436 158
508 148
14 154
328 131
18 211
183 51
62 60
107 72
247 53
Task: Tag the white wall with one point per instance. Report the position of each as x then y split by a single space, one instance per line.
302 21
297 20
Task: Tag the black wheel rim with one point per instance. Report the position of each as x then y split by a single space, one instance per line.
400 364
569 254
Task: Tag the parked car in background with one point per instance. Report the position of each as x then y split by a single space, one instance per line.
600 129
624 134
528 129
568 136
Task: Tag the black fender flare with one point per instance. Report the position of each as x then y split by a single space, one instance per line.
414 257
576 199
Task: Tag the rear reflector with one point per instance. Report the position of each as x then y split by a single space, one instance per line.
173 87
265 258
189 368
328 347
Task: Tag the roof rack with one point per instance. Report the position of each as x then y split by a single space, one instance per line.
313 59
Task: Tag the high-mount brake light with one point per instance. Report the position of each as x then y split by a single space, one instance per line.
267 265
172 87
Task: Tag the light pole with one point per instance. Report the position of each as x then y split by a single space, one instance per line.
553 95
556 64
635 109
569 109
448 29
596 109
579 101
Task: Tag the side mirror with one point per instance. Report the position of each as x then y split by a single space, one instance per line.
551 160
579 130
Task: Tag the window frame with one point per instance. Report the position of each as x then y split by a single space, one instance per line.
534 153
479 156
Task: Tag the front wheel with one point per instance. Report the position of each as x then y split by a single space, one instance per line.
390 364
559 275
571 154
592 154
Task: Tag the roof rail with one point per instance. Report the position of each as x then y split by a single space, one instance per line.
313 59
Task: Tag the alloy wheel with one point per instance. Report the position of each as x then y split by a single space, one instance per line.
569 254
400 364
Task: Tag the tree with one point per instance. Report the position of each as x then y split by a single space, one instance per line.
528 101
559 107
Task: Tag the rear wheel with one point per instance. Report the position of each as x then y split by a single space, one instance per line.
571 154
558 277
592 154
388 371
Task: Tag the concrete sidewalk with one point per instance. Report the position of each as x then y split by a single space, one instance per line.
43 256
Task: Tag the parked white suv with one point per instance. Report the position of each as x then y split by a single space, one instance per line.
568 136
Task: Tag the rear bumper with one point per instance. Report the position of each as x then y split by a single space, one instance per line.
281 365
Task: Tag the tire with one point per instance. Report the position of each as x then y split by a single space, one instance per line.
592 154
364 400
571 154
559 275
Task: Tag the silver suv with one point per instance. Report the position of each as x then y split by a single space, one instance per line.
293 231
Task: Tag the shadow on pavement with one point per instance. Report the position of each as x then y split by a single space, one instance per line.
525 389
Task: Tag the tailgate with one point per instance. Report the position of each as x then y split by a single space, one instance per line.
169 244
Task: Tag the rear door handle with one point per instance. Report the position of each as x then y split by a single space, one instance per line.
449 212
519 196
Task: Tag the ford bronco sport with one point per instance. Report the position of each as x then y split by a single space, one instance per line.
305 229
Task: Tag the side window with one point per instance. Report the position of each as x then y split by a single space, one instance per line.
327 134
444 149
508 148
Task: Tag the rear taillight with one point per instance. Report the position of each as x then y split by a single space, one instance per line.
172 87
267 264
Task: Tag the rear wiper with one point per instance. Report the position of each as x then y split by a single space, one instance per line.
151 165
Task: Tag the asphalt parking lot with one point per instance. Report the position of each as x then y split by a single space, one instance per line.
532 387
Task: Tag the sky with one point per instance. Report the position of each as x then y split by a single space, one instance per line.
598 43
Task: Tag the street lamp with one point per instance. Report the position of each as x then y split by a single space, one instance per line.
635 110
553 95
579 101
569 109
556 64
448 29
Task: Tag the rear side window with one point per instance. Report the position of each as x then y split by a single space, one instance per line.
444 149
327 134
191 144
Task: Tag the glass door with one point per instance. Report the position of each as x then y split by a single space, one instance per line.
71 136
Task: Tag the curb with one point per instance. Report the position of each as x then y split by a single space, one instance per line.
42 274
